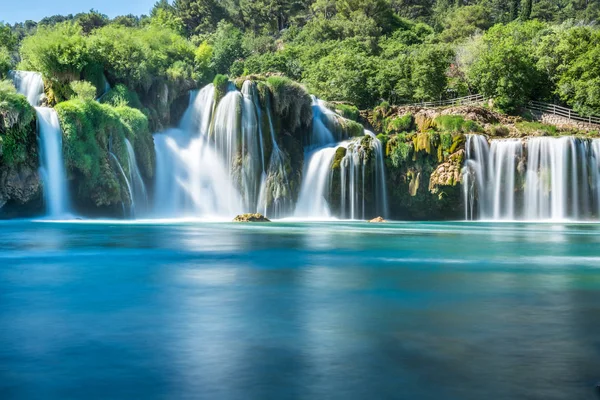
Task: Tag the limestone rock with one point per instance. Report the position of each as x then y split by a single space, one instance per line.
378 219
251 218
20 184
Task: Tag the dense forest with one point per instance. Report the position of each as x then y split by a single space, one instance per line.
115 82
360 51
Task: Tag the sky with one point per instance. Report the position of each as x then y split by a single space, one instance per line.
21 10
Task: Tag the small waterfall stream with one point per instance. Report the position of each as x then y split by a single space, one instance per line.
139 198
52 169
541 178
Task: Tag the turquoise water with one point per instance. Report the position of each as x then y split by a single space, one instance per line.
299 310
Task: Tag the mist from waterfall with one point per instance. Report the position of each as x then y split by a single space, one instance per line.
541 178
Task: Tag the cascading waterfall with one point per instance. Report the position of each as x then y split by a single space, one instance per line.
542 178
29 84
139 195
129 191
355 166
314 193
191 177
52 169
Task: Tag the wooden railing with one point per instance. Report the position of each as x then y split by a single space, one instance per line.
563 112
460 101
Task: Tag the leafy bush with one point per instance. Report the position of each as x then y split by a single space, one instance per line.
398 124
83 90
456 123
17 126
347 111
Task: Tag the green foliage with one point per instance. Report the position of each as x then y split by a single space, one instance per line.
83 90
120 95
227 44
348 111
398 124
5 62
456 124
506 69
221 84
17 127
59 53
398 151
90 131
291 102
527 127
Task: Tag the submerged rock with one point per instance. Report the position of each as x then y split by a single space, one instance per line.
251 218
378 219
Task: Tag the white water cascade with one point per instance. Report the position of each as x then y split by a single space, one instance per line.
542 178
52 169
315 192
139 195
192 179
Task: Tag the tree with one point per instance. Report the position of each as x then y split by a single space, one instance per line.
227 44
526 6
200 16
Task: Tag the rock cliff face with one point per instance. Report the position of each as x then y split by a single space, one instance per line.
20 191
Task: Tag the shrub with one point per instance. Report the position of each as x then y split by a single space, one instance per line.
347 111
398 124
456 123
83 90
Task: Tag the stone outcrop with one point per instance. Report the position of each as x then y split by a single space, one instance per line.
251 218
378 220
19 185
447 173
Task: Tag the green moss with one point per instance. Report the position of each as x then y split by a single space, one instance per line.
457 142
424 123
446 141
398 151
352 129
348 111
340 153
221 84
398 124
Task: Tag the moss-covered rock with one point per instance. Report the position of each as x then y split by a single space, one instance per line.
251 218
93 142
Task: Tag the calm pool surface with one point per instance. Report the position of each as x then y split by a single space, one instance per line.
299 310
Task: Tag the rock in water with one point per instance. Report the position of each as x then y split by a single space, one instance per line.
251 218
378 219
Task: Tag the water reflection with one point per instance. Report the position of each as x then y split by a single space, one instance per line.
290 310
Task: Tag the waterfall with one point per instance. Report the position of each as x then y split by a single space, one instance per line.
52 168
543 178
29 84
362 171
354 171
192 177
129 191
139 196
314 193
